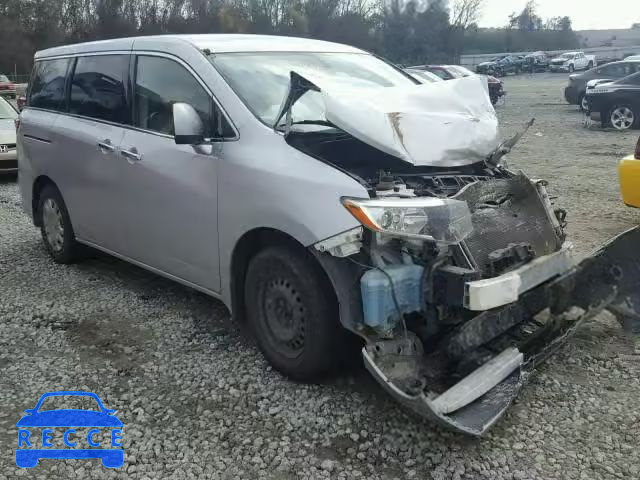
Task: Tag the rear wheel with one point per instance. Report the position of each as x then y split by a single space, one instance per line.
55 226
623 117
294 314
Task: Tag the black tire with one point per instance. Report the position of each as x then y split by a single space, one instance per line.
571 69
63 250
581 98
590 66
293 312
499 72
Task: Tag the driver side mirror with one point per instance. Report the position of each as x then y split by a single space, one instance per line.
187 125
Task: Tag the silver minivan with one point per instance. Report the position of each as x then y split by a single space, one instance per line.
324 196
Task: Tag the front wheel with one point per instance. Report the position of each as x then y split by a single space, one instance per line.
584 103
294 313
623 117
55 226
572 69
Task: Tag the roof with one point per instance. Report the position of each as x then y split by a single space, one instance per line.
216 43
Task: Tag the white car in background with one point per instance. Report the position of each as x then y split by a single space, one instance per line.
635 58
572 61
8 155
423 76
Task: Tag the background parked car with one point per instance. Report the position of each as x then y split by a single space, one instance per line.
21 101
450 72
574 93
445 72
500 66
423 76
572 61
7 87
536 62
496 89
8 156
616 104
442 71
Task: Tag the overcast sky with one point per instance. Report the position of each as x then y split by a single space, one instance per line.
586 14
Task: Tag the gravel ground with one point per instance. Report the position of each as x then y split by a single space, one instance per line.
198 401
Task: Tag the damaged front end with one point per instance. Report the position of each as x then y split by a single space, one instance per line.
459 279
454 325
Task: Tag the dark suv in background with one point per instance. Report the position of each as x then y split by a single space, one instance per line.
501 66
574 93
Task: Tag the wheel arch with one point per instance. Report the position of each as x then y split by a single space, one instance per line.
249 244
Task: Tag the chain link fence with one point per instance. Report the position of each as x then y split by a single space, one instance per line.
19 78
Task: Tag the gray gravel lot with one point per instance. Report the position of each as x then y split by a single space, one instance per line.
198 401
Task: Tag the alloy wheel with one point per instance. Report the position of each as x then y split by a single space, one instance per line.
622 118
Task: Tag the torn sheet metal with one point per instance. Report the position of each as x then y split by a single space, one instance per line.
445 124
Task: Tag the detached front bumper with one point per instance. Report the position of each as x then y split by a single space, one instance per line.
495 292
549 314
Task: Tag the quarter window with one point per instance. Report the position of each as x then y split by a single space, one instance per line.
48 84
98 88
161 82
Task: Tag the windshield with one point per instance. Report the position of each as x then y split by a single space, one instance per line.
568 55
6 110
3 78
261 79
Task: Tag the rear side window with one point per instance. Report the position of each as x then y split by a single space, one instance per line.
98 88
47 89
617 70
161 82
633 79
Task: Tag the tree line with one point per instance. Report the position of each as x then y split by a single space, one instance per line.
405 31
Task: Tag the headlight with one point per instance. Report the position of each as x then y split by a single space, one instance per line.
441 220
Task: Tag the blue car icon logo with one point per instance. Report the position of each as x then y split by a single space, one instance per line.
37 438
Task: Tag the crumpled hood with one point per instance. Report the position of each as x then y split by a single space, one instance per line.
441 124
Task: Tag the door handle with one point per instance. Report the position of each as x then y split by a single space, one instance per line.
132 154
106 145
